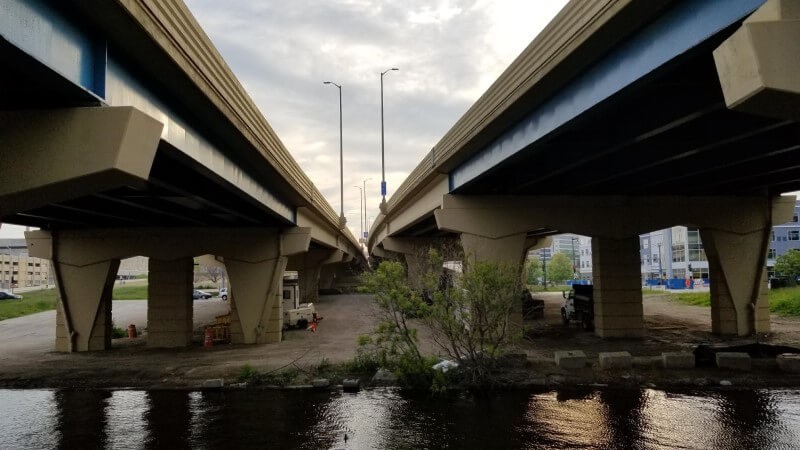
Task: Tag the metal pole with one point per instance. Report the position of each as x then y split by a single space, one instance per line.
660 270
383 164
341 158
342 220
574 263
364 192
361 210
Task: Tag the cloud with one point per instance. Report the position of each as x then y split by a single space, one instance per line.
448 53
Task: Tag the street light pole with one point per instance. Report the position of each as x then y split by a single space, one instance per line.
361 210
342 220
383 164
364 193
574 263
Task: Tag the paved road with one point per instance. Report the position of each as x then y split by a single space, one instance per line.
35 334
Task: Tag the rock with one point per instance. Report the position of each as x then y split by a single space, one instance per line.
615 360
320 382
384 377
734 360
725 383
570 359
351 385
647 362
677 360
789 362
214 383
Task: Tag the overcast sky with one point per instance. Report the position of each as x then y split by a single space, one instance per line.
448 53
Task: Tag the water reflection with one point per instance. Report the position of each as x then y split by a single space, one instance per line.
385 418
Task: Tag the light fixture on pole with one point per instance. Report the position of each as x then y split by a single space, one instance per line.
364 191
383 165
360 209
574 261
342 220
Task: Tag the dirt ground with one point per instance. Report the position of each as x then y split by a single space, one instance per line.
130 363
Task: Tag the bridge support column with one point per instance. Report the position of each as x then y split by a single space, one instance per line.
415 253
739 303
257 280
169 302
83 314
617 288
309 268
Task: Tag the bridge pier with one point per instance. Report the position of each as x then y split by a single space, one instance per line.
618 308
83 313
415 253
169 302
86 262
309 268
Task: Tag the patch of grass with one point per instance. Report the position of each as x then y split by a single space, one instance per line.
692 298
785 301
31 303
130 292
117 332
275 378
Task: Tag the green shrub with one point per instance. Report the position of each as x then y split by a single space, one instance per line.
785 301
117 332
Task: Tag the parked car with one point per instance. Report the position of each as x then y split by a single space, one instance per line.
7 296
223 294
196 294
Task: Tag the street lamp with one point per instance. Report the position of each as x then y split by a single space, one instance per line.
364 191
383 165
342 220
360 210
574 263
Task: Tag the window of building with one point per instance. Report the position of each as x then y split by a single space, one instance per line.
771 254
794 235
15 263
678 253
794 217
772 236
696 252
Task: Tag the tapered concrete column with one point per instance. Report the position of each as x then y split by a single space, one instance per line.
617 288
415 252
309 267
739 303
255 300
169 302
83 315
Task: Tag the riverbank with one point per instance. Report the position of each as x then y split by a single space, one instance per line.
303 355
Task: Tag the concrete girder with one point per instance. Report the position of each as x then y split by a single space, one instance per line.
63 154
758 65
323 233
501 216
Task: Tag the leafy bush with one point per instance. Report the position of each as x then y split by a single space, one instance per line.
117 332
274 378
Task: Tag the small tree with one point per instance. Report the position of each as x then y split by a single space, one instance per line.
788 264
469 319
533 270
559 268
395 340
212 273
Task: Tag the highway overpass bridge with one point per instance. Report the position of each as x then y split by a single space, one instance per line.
620 118
123 132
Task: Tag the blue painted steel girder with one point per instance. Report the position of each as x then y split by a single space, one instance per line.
682 28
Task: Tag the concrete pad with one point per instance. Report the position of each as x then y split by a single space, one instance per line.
789 362
351 385
677 360
570 359
214 383
734 360
615 360
320 382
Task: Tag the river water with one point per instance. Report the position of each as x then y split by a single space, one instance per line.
388 418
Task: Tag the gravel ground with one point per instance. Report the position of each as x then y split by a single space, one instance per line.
27 359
